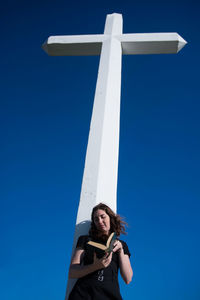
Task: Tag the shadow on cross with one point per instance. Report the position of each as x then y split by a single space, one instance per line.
81 229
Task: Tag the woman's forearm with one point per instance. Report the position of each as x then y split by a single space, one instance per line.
125 267
78 271
124 262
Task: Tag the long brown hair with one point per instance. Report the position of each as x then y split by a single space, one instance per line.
117 225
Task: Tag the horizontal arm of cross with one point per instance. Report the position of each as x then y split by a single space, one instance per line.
138 43
151 43
74 44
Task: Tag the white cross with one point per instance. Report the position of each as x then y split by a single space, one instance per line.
100 173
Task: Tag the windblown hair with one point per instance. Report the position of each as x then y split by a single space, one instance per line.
117 225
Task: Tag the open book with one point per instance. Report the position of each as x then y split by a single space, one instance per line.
109 244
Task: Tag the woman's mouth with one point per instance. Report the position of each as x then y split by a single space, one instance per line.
102 226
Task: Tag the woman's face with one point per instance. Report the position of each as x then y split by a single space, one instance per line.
102 221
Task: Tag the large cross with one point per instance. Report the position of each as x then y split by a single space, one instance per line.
101 165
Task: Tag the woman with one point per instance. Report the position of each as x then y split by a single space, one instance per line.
98 277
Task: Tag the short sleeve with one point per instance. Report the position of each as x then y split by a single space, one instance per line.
82 241
125 248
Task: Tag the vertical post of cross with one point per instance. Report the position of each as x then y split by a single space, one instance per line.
101 165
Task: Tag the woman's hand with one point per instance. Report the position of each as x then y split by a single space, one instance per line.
101 263
117 246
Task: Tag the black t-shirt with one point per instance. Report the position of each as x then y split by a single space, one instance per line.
101 284
112 269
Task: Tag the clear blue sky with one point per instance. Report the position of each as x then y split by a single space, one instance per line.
45 109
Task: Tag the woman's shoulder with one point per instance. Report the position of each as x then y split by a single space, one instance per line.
122 241
82 241
125 247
